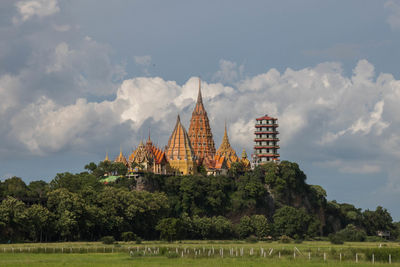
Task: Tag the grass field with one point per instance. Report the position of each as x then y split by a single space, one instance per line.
195 253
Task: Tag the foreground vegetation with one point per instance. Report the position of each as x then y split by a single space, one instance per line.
271 202
199 253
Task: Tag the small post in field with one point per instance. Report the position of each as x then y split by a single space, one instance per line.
390 259
356 258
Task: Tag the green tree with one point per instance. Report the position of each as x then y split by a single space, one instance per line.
245 227
74 182
14 187
37 191
169 229
291 221
40 222
69 210
13 220
260 225
378 220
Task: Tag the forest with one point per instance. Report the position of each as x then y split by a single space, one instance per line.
268 203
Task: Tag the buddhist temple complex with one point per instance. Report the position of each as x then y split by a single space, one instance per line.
187 152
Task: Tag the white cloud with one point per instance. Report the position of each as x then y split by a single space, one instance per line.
393 6
352 167
10 88
28 9
229 72
363 126
351 117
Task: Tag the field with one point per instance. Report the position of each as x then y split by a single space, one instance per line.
200 253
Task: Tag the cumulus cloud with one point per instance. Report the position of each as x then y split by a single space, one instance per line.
229 72
349 124
393 6
28 9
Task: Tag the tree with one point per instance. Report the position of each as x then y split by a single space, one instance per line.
291 221
245 227
378 220
169 229
260 226
69 210
12 219
15 187
74 182
40 222
38 191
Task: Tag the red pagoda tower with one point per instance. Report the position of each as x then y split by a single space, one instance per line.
200 134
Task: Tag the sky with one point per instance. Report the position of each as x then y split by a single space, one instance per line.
79 78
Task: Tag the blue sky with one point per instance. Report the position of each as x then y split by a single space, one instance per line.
78 78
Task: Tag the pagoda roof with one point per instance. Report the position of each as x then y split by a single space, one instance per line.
266 117
179 146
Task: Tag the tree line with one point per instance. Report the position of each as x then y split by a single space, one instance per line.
271 201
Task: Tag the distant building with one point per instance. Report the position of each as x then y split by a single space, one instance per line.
266 140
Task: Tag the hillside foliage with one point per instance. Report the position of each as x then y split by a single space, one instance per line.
268 202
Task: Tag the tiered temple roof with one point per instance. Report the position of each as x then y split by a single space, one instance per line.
244 159
179 152
121 158
226 151
200 134
179 146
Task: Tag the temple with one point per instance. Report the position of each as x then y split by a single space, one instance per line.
200 133
180 154
226 152
194 151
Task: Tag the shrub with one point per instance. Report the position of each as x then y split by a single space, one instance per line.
136 253
352 234
138 240
336 239
172 255
127 236
163 250
251 239
108 240
285 239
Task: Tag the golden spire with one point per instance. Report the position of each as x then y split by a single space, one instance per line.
225 150
121 158
244 154
106 159
225 140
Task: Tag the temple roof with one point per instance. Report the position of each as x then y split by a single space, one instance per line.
244 154
121 158
179 147
200 134
266 117
225 150
106 158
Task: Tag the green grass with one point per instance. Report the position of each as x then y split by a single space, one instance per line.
121 259
92 254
